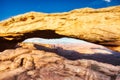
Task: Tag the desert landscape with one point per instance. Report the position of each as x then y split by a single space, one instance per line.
82 44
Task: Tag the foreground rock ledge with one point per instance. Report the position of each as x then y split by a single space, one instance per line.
94 25
48 62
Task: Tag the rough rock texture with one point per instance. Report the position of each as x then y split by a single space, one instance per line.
94 25
73 44
78 49
61 61
53 62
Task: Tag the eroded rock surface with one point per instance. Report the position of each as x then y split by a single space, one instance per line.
95 25
72 44
57 62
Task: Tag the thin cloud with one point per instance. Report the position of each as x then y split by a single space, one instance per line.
107 0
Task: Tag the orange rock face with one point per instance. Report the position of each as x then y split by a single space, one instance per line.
94 25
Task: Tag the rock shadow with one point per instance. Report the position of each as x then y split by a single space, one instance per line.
10 44
113 59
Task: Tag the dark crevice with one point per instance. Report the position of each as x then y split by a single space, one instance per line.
5 44
113 77
21 64
48 34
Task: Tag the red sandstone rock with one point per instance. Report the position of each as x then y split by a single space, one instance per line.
45 62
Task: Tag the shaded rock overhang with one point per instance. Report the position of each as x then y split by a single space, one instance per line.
99 26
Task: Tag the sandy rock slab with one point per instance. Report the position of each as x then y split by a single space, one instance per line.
30 61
